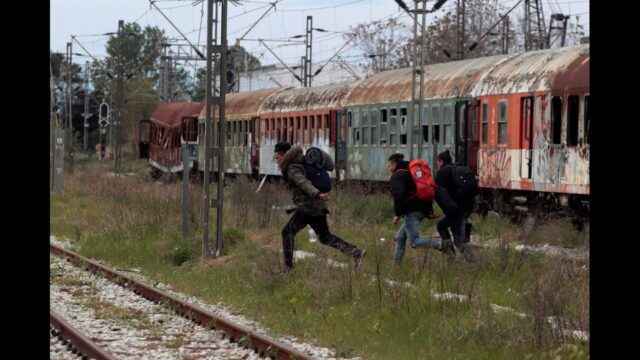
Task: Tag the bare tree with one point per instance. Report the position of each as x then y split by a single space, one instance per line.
384 44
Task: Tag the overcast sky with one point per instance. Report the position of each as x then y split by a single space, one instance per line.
90 17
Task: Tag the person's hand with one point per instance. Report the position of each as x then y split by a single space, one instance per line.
395 220
323 197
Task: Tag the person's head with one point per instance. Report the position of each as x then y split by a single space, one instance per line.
280 150
393 161
444 158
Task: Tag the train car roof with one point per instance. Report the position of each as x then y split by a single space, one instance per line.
310 98
539 70
444 80
243 105
171 114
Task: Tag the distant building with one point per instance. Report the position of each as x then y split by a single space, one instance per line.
269 76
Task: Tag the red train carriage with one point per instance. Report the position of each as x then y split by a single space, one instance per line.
533 111
170 126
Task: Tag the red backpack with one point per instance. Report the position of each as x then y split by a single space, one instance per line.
425 184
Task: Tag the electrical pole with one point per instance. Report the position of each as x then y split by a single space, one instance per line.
417 74
505 35
460 28
219 101
560 25
70 151
86 114
534 32
120 97
308 43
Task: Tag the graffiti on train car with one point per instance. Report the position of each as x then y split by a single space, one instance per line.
495 165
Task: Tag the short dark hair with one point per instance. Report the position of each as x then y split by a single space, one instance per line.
282 147
396 158
445 157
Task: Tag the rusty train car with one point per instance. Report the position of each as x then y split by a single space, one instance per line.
161 136
521 121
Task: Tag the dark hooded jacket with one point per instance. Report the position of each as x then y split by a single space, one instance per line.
305 195
444 178
403 190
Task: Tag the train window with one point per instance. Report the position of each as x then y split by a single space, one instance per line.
393 127
424 123
282 127
238 132
304 137
266 129
365 127
246 132
587 120
473 118
343 129
425 134
403 126
298 129
556 120
312 136
272 135
485 123
228 130
435 135
447 127
278 123
383 127
374 126
462 123
435 115
356 128
349 116
327 128
502 122
526 116
572 117
291 129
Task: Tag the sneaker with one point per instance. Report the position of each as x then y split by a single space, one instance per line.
359 255
468 254
447 248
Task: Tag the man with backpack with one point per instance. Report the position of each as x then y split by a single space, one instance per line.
457 188
310 202
412 199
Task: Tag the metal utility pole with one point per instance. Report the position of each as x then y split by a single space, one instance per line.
505 35
308 43
303 71
417 74
119 100
165 61
534 31
460 27
219 101
69 79
86 114
69 136
560 25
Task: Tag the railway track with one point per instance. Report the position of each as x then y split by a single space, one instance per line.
70 343
150 323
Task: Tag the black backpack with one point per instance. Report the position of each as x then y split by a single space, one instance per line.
466 183
319 177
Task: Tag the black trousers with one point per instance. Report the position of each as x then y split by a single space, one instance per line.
299 221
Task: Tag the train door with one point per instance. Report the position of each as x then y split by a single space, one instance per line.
526 137
341 139
461 117
473 142
143 138
254 130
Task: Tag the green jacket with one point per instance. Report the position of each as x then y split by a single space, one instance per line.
305 195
